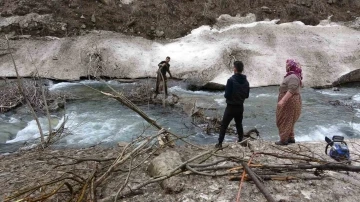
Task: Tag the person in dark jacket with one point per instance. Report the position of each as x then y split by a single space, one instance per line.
164 67
236 91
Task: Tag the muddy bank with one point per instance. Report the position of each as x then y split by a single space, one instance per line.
28 168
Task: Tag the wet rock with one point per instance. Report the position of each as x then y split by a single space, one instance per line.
335 102
162 165
213 86
57 105
336 89
353 76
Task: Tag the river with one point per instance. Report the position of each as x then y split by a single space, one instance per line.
95 120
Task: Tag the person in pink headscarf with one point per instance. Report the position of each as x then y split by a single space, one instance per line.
289 102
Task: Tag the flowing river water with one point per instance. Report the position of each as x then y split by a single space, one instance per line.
95 120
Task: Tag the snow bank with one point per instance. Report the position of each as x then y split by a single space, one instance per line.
326 52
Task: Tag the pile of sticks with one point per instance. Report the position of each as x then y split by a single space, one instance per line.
33 90
143 94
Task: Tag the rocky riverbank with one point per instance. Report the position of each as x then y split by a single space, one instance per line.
30 168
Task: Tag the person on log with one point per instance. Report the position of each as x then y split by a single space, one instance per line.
289 102
164 67
236 91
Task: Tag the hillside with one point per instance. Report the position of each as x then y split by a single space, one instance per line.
164 18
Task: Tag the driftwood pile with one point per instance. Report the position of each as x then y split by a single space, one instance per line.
79 184
209 124
11 97
143 94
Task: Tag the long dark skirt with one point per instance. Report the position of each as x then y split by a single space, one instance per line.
287 115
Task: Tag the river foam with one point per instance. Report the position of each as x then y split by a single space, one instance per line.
62 85
31 131
356 98
348 130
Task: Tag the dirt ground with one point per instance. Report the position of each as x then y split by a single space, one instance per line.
166 18
29 168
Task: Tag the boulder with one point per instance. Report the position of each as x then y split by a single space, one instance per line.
213 86
353 76
162 165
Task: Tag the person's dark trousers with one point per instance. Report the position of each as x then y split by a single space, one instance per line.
165 86
232 112
158 80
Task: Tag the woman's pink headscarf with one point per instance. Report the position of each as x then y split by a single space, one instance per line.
294 68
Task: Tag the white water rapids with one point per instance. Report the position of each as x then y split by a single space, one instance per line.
98 121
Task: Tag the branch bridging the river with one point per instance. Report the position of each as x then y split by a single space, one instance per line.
21 90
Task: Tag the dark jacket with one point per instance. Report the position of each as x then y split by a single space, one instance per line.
237 89
165 68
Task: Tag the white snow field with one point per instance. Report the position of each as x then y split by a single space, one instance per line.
326 52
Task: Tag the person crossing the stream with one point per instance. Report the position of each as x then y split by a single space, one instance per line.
236 91
164 67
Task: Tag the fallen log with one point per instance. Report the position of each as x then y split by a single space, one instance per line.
177 170
258 184
277 178
327 166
